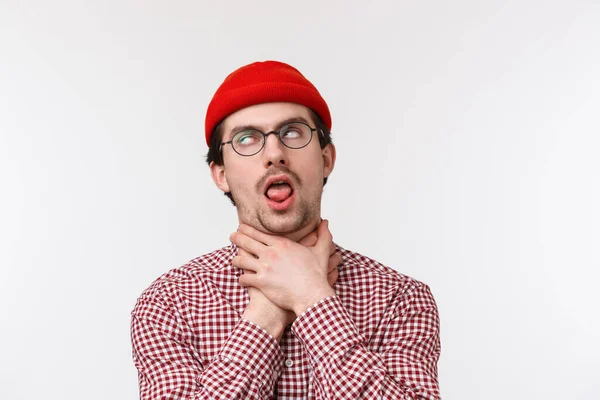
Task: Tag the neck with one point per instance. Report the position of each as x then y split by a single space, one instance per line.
294 235
297 235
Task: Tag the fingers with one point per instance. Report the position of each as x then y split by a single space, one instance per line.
248 280
243 253
243 279
245 242
332 276
325 239
312 238
249 264
334 261
257 235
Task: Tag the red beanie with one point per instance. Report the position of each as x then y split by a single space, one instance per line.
263 82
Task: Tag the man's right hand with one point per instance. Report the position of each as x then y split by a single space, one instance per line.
264 313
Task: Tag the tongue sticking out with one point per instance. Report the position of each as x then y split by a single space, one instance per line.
279 192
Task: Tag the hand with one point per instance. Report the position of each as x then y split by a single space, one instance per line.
335 258
292 276
263 312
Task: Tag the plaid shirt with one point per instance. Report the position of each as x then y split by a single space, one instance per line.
377 338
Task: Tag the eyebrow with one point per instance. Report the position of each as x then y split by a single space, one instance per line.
279 125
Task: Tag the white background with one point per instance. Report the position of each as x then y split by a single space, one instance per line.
467 137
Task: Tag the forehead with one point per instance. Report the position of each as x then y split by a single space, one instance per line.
265 116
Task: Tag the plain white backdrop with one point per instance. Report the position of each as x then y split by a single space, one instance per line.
467 137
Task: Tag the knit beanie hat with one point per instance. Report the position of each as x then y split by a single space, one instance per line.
263 82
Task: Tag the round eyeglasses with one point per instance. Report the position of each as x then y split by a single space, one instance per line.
249 142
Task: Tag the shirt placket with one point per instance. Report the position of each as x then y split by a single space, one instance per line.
294 380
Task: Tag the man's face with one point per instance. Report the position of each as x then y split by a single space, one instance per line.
279 189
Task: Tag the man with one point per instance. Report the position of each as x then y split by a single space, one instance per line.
282 312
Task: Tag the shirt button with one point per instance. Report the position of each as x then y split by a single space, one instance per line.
289 362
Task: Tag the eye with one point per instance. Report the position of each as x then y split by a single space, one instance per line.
247 138
291 132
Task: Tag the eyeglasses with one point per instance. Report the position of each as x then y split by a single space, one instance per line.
295 135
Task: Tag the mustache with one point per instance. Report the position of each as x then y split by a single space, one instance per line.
278 171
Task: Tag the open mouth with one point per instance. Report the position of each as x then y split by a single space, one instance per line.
279 191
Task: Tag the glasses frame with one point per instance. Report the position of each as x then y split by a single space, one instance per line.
265 135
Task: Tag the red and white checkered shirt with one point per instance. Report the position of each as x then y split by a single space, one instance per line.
378 338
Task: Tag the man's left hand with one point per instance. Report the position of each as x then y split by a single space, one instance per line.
292 276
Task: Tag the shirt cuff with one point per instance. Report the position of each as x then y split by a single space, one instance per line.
253 349
326 329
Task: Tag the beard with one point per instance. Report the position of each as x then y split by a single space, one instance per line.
286 222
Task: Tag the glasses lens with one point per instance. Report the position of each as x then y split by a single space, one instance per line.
247 142
295 135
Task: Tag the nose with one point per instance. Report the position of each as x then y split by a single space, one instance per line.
274 153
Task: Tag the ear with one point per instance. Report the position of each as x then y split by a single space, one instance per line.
328 154
219 176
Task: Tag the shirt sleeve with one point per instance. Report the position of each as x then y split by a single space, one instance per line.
169 367
404 366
